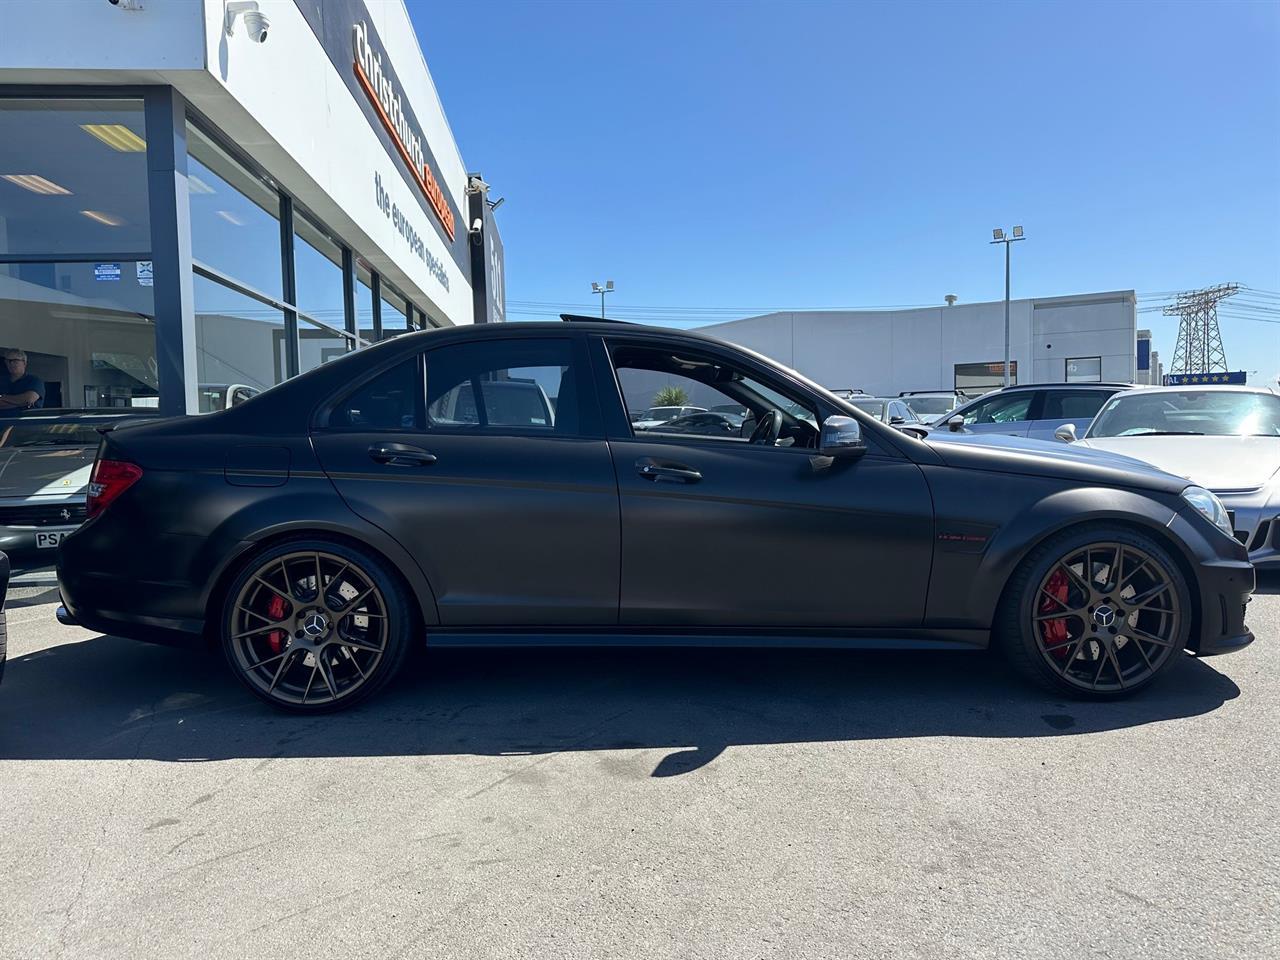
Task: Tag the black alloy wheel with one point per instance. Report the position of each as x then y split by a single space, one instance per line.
1097 613
315 626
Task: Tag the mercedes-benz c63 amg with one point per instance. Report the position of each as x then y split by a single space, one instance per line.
485 485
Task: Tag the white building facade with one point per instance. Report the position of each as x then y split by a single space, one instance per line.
1082 338
205 194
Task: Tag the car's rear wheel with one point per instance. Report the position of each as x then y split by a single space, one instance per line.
1098 613
312 626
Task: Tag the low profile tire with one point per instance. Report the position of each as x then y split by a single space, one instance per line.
312 626
1098 612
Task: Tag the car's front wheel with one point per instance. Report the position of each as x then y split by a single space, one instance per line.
1096 612
311 626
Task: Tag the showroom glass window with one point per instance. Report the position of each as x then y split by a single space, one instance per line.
394 319
1084 370
317 259
241 343
979 378
74 207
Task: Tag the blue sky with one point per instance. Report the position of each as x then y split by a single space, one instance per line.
715 159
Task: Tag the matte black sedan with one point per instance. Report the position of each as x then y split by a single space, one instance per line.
320 530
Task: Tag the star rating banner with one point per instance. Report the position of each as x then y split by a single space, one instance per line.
1186 379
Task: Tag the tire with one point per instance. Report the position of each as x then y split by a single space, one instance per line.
1100 636
281 634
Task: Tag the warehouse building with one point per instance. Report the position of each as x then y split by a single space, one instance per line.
199 199
1083 338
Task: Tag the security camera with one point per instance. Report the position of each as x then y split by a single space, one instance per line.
256 23
475 184
476 226
126 4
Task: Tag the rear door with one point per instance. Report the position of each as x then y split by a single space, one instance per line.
497 478
722 532
1068 406
1003 413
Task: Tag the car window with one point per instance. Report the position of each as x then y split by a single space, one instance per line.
1008 408
522 384
387 402
1207 412
873 407
1073 404
655 376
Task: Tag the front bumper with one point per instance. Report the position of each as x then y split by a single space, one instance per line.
1224 580
1257 525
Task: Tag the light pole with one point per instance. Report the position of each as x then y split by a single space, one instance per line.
999 237
608 288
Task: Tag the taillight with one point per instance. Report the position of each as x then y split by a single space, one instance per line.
109 479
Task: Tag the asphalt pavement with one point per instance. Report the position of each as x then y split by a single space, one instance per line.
596 803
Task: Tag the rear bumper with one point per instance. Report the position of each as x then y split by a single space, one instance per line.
109 594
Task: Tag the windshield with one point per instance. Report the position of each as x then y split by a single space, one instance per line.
1215 413
48 435
661 413
930 405
873 407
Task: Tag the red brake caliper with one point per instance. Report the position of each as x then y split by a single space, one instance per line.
1055 631
276 607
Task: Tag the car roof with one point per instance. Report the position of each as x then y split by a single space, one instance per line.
1208 388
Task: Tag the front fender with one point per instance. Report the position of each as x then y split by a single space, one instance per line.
1006 520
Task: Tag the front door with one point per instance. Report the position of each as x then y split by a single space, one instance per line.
739 528
498 481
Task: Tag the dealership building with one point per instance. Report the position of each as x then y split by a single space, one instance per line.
1083 338
200 199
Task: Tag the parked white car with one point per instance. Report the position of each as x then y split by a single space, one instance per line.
1226 439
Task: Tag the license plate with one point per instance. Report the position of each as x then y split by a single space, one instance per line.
47 539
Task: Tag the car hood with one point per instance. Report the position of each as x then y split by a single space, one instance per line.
45 471
1051 458
1222 464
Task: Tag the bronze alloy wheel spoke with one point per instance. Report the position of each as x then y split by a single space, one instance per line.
1086 587
1116 569
1115 662
271 625
326 672
263 663
1150 638
280 670
1066 607
1138 643
315 667
354 661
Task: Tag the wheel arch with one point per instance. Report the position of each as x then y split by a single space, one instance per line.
412 579
1071 510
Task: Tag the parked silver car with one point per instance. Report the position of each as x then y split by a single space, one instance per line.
45 459
1225 439
1035 410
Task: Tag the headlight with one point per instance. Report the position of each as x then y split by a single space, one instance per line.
1209 505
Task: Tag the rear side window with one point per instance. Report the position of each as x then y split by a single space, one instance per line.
1073 404
499 385
1001 409
387 402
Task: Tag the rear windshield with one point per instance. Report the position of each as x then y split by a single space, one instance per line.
43 434
873 407
930 404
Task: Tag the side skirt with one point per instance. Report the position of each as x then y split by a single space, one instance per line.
861 639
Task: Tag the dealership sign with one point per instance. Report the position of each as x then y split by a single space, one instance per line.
382 91
1185 379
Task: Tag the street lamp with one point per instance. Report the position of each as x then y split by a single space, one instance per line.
998 236
608 288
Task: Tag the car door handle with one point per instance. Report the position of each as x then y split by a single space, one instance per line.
401 455
654 470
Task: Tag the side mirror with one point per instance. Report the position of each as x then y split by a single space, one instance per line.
894 421
841 437
955 424
1066 433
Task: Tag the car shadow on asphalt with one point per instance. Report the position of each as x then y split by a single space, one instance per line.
109 698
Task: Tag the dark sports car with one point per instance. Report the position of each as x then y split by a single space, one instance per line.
318 531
